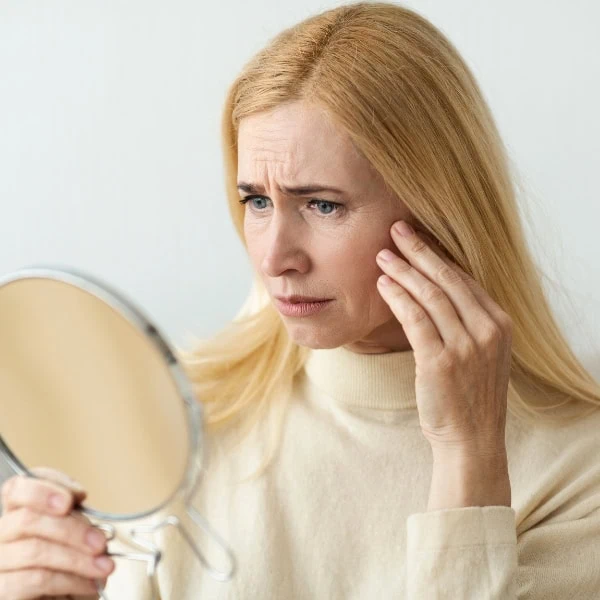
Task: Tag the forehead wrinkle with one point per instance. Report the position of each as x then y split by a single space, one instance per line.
262 153
283 170
276 158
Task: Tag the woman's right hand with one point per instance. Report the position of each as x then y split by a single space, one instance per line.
47 549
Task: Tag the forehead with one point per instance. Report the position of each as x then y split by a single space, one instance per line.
299 140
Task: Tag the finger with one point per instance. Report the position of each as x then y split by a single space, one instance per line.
421 257
59 477
106 530
420 330
70 530
38 494
31 583
428 296
436 246
500 317
33 553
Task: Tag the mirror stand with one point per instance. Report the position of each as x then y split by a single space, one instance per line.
154 555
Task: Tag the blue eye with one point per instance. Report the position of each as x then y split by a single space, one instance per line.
336 206
326 203
248 198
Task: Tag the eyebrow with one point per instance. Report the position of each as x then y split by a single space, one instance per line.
311 188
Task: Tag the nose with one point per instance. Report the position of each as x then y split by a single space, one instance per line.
283 249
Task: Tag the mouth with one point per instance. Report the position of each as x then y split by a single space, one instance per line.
301 309
294 299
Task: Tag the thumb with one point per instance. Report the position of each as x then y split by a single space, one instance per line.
63 479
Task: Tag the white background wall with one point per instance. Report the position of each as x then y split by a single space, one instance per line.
110 157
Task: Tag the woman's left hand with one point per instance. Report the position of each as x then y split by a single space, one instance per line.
462 345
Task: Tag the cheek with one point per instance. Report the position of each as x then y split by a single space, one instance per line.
358 274
364 273
253 242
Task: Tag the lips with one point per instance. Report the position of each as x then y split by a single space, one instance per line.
301 309
294 299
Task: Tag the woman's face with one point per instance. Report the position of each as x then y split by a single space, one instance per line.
303 244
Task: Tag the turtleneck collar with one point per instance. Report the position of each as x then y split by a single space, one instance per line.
378 381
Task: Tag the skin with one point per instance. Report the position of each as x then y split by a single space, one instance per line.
312 250
462 363
460 336
45 550
297 248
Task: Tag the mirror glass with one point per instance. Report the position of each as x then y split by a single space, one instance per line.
84 391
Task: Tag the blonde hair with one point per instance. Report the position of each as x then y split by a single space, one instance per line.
415 111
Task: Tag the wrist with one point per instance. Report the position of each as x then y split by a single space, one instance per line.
461 480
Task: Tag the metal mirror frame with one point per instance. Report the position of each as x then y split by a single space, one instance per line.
194 416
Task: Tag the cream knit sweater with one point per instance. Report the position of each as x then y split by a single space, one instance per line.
342 513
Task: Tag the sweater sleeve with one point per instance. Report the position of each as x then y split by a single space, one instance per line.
474 553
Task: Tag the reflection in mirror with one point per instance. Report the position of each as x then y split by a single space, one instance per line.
82 391
90 388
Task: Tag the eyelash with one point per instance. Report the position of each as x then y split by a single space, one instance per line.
338 206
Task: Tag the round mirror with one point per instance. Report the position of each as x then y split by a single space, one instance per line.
83 391
88 386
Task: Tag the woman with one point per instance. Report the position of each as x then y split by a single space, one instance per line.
429 435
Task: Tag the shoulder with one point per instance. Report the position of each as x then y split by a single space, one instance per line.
572 436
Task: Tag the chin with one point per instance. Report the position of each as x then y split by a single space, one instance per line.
316 336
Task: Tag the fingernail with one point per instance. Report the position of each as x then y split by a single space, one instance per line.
95 539
385 255
404 229
104 563
58 502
